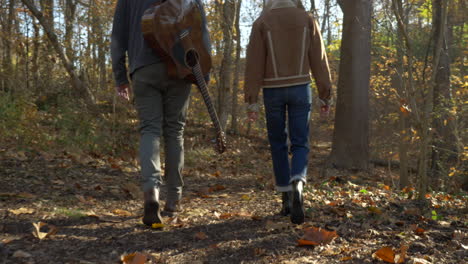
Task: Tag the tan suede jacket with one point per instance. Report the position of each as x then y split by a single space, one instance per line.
285 45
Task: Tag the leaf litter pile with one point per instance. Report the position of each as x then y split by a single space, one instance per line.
72 208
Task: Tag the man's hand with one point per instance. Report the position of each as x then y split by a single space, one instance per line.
252 116
123 91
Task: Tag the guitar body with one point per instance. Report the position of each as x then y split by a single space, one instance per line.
177 32
175 28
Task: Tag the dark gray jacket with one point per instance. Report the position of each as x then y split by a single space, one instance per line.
127 38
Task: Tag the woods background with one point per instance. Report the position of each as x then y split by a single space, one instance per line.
399 67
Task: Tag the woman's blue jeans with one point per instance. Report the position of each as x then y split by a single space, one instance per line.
296 101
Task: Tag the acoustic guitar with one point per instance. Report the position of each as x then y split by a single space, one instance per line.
176 31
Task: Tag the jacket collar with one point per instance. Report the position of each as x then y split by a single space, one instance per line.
276 4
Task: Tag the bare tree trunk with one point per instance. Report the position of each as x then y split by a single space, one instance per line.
423 118
312 6
35 58
350 147
77 84
47 10
399 82
235 84
7 71
444 141
226 63
70 11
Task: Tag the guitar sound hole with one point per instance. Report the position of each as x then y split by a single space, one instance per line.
191 58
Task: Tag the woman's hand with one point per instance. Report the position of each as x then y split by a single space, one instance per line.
123 91
324 111
324 108
252 116
252 112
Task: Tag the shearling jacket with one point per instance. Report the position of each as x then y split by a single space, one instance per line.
285 45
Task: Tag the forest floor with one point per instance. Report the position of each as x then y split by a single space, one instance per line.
70 208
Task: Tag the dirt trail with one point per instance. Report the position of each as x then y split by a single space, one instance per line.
229 213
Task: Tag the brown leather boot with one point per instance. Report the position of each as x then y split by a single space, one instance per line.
172 207
151 212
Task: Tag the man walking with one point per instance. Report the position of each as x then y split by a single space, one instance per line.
161 104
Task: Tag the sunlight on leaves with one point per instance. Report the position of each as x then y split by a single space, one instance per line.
21 210
121 212
52 230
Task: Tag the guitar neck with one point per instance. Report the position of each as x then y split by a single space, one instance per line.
197 71
206 97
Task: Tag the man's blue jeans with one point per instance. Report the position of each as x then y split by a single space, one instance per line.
296 101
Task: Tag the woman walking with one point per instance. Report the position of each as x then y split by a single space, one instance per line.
285 45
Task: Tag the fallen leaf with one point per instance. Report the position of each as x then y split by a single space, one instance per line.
417 230
19 195
244 214
21 254
387 254
408 189
316 236
303 242
374 210
217 215
9 239
245 197
85 200
201 236
459 235
420 261
121 212
21 210
216 174
259 251
134 258
225 216
216 188
346 258
41 235
256 217
413 211
59 182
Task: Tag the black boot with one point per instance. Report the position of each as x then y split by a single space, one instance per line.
285 204
297 203
151 211
172 208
